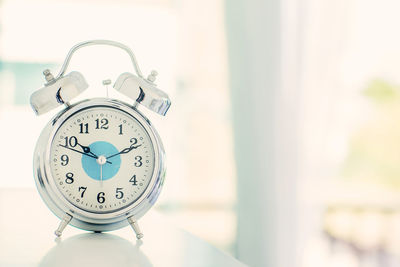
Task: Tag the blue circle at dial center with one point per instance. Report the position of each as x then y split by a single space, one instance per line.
108 170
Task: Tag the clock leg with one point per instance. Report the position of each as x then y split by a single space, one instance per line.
64 222
135 226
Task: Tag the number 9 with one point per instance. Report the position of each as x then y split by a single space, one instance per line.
64 160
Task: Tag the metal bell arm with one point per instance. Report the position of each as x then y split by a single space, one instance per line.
99 42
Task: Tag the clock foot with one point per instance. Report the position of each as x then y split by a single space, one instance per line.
64 222
135 226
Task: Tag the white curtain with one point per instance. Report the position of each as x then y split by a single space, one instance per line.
264 88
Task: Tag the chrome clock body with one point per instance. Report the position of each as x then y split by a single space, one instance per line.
76 216
78 187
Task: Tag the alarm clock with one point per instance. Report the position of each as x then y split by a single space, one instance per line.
99 164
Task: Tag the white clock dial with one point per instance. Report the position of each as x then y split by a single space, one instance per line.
102 159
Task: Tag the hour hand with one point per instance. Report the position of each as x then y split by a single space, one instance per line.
86 150
73 149
89 155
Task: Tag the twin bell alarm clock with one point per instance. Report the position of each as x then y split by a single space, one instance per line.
99 163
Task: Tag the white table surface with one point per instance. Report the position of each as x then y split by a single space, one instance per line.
27 239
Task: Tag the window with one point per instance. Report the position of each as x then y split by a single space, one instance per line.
350 138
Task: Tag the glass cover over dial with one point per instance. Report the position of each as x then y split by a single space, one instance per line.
102 159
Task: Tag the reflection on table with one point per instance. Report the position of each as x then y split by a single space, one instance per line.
95 249
27 239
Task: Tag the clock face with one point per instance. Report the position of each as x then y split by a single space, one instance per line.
102 159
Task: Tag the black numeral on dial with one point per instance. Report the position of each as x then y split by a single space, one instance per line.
101 124
100 197
119 193
133 180
120 129
138 161
64 160
84 128
83 189
133 141
69 178
71 141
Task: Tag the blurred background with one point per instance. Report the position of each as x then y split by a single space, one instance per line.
283 137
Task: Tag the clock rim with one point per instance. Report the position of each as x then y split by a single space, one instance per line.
60 205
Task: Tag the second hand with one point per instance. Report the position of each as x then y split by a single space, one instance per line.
101 161
101 175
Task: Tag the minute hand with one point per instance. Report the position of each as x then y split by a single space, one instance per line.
124 151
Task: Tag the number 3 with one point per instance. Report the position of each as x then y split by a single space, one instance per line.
139 162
